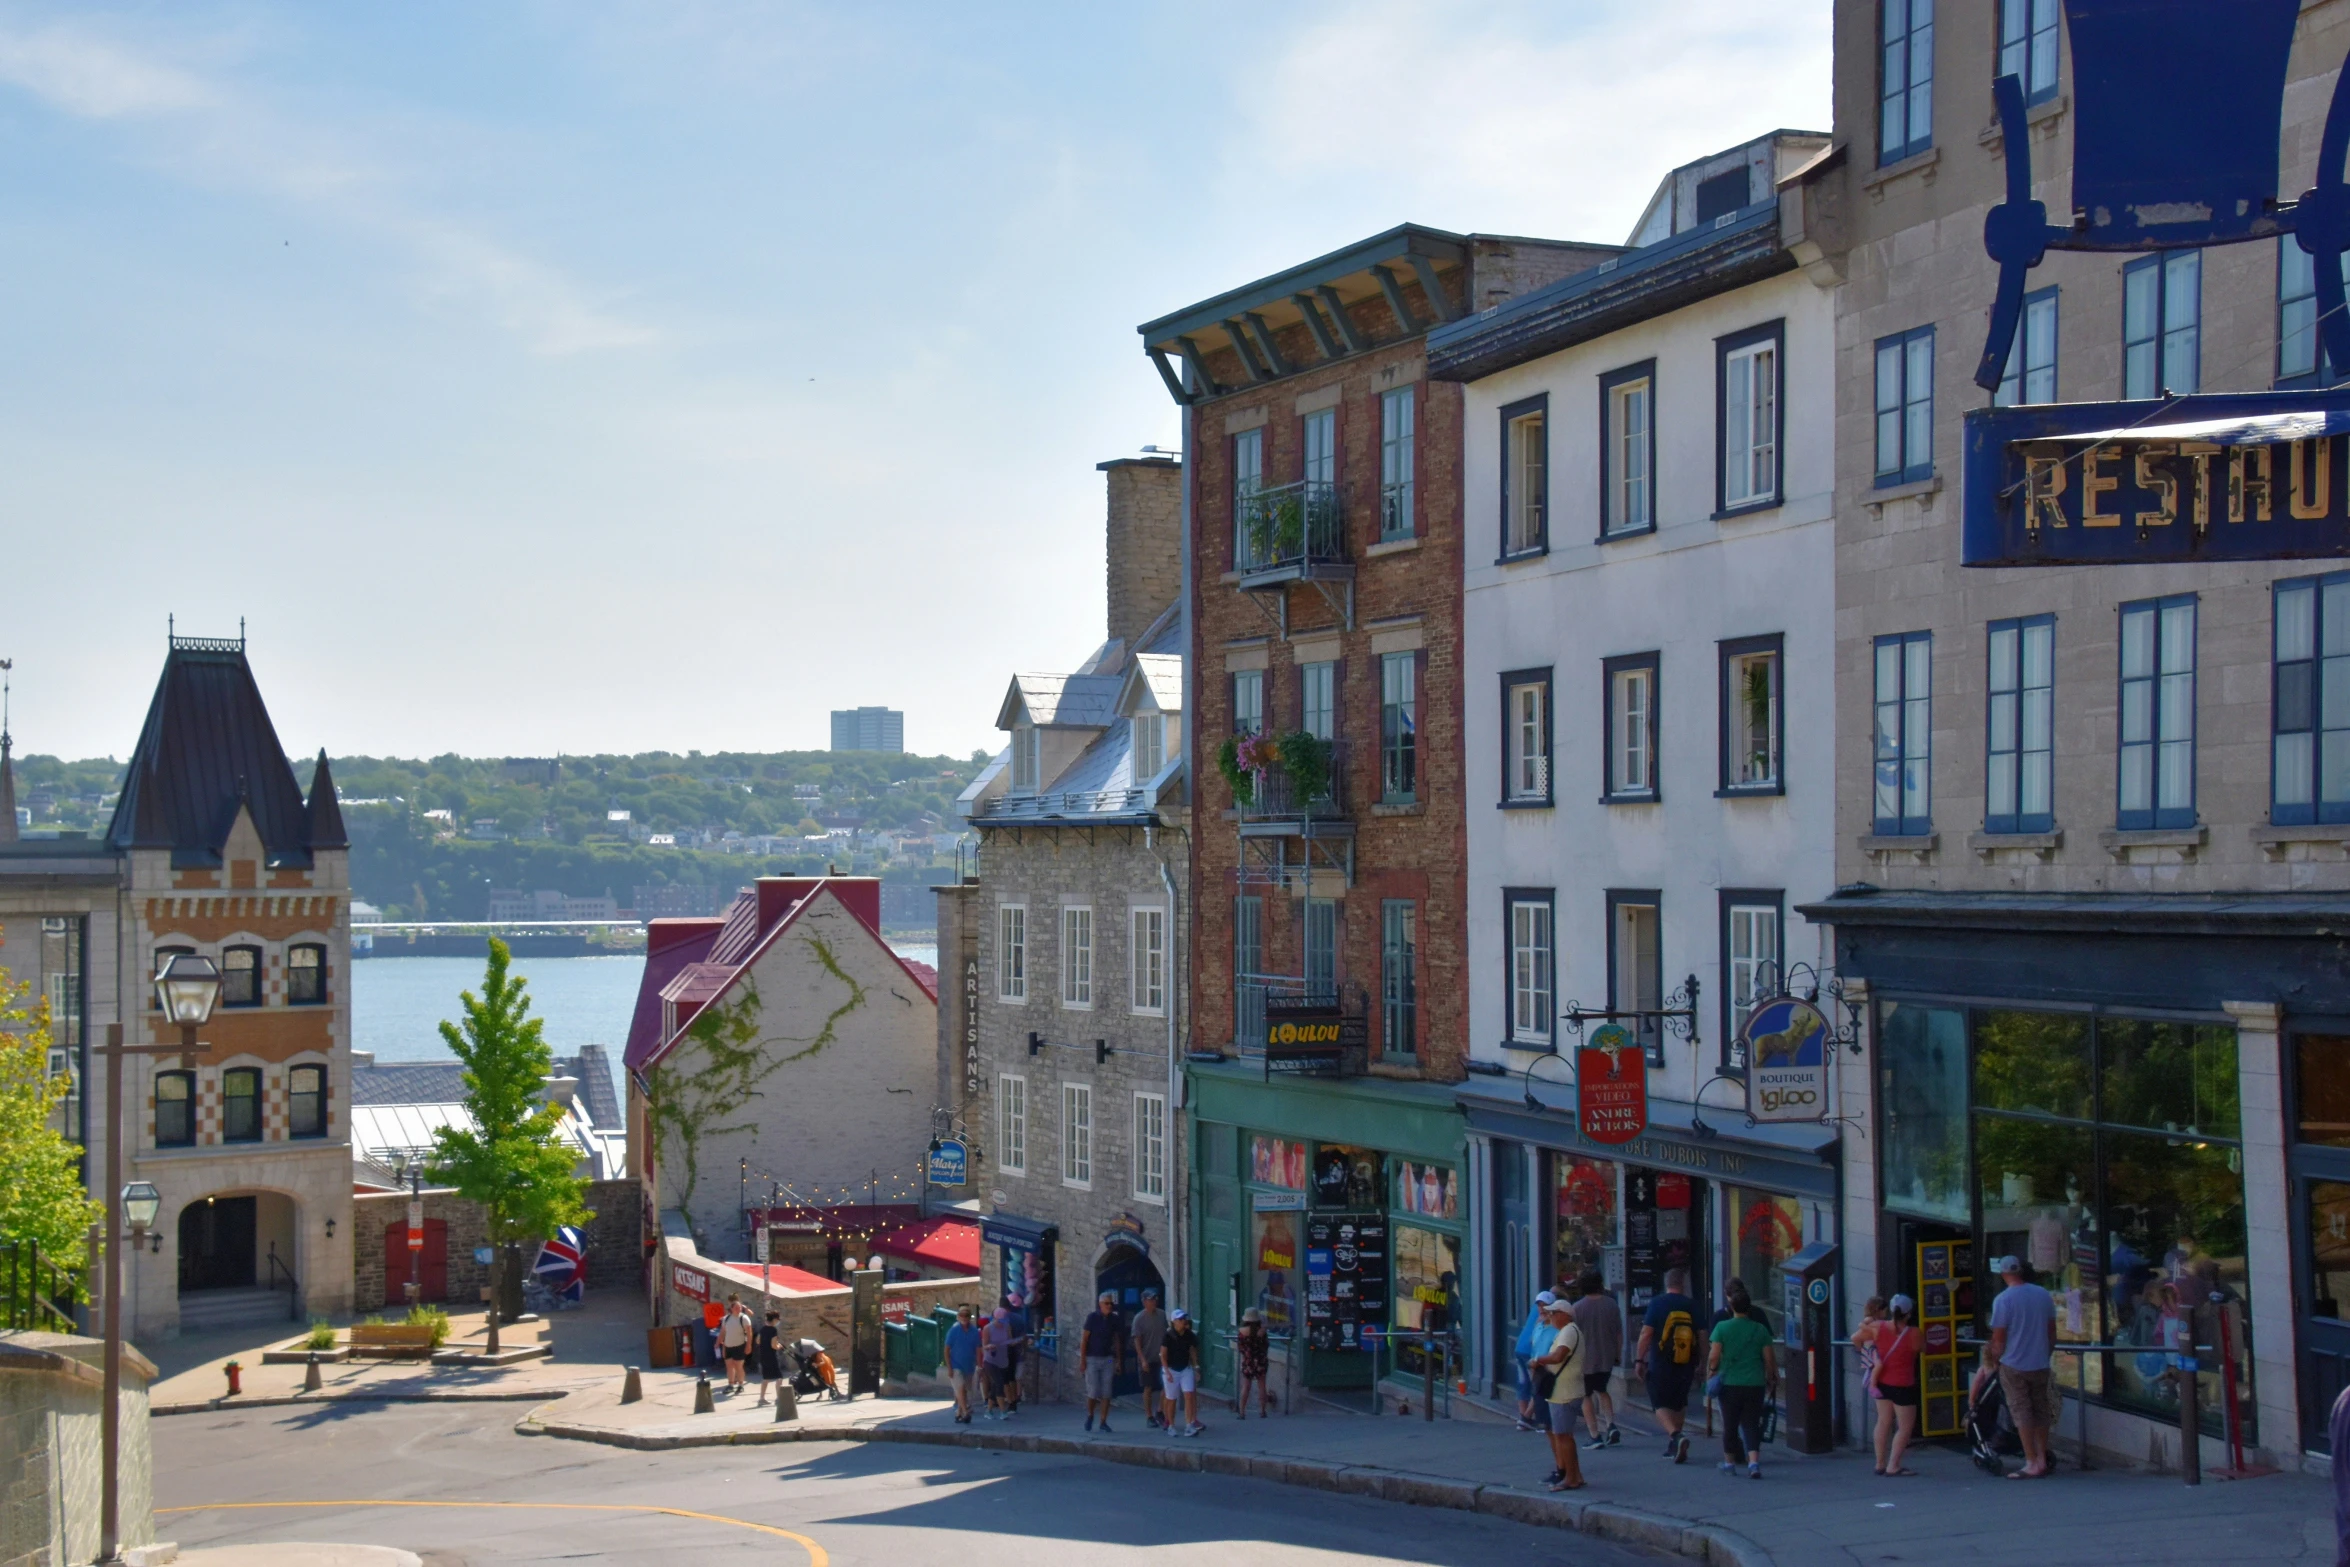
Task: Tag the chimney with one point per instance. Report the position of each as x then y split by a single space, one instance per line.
1145 543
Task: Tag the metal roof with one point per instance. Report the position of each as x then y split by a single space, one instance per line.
1061 701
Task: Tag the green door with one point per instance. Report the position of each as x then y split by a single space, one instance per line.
1217 1291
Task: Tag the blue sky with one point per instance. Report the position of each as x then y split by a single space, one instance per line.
539 377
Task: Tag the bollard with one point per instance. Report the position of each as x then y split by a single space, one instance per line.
311 1381
2190 1426
702 1401
632 1388
787 1403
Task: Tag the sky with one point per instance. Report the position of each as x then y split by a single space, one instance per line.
565 377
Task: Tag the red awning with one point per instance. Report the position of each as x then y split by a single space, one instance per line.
936 1242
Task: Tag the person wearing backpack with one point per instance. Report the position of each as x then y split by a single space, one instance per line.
1667 1357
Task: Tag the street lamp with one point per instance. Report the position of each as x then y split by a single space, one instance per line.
186 989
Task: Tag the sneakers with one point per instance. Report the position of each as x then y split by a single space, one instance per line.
1089 1422
1727 1467
1672 1446
1681 1449
1196 1429
1527 1425
1105 1425
1596 1444
1156 1422
1615 1435
1554 1477
1754 1471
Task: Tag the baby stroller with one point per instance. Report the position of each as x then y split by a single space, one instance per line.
813 1371
1990 1433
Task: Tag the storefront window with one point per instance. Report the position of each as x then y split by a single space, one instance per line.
1584 1195
1427 1289
1428 1190
2174 1220
1765 1230
1028 1290
2035 1206
1277 1161
1347 1177
1276 1265
2033 1061
2329 1248
2175 1077
2322 1088
1925 1108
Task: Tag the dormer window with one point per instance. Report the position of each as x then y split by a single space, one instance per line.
1150 745
1027 758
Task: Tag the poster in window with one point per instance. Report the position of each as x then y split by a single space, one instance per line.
1584 1213
1277 1161
1426 1190
1346 1177
1346 1278
1277 1261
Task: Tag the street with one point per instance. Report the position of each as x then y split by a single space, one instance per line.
500 1498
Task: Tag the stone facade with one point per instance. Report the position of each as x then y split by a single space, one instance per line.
1145 556
615 1248
52 1392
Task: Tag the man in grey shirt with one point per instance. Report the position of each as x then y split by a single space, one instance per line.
1149 1329
1602 1322
2023 1335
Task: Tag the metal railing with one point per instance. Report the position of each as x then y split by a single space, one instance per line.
279 1270
1282 525
1277 795
1069 802
35 1293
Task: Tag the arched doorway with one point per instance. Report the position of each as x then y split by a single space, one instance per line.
217 1243
1125 1270
237 1255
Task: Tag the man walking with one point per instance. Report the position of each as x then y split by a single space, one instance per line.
1102 1348
1602 1322
1565 1360
995 1353
1179 1367
962 1345
1149 1329
1667 1357
734 1339
2023 1333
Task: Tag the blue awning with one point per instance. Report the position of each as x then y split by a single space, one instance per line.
1009 1229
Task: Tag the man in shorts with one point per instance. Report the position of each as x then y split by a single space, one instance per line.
1102 1346
1566 1361
1668 1356
2023 1335
995 1356
1602 1322
1179 1371
1149 1331
962 1346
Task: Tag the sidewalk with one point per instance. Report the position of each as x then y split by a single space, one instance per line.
1828 1509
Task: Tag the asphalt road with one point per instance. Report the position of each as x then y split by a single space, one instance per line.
829 1504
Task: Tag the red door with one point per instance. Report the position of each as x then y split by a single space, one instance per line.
431 1265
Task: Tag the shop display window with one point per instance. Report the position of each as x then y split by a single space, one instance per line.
1277 1272
2174 1222
1427 1289
2329 1249
1347 1177
2169 1076
1277 1161
1924 1111
1430 1191
2321 1089
1765 1230
2033 1061
1586 1221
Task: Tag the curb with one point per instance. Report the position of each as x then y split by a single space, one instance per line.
1702 1542
210 1406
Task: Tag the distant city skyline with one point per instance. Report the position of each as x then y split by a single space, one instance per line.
621 369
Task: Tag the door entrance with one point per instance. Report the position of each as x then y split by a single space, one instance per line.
216 1244
1126 1272
2320 1160
1666 1227
429 1267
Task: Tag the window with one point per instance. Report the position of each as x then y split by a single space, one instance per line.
1248 477
1750 716
2031 358
1528 914
1318 700
240 976
1399 979
1719 195
1076 1134
1635 968
2157 785
1630 743
1148 732
1525 483
1747 418
240 1105
1905 120
163 957
1627 450
1150 1147
1904 733
1399 727
175 1109
1011 952
2310 703
1525 737
1248 968
1321 915
1905 407
2019 782
1149 951
1077 958
1319 431
1396 518
1248 701
1027 758
2300 350
306 1101
2028 31
305 975
1750 962
1011 1109
2162 325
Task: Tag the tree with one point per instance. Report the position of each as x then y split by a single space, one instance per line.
511 1160
41 1195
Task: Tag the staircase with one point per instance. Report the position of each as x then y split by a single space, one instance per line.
201 1311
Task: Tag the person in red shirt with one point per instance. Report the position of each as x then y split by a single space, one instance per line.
1895 1382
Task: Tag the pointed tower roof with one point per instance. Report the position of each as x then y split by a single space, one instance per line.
208 746
324 811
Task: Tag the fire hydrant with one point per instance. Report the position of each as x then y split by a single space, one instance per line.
236 1374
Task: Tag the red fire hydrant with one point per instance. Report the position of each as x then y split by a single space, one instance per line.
236 1376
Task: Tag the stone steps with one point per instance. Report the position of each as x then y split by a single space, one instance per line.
203 1310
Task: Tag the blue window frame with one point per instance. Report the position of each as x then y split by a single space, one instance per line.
2301 357
2019 774
2031 359
1905 119
2156 786
2028 34
2162 325
2310 702
1904 734
1905 407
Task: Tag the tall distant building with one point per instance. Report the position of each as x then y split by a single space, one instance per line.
868 729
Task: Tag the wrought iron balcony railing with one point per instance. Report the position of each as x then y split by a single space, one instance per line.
1064 802
1277 795
1291 526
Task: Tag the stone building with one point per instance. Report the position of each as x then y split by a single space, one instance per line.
2092 881
1070 947
214 850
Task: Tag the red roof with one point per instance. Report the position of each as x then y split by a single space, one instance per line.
939 1242
792 1281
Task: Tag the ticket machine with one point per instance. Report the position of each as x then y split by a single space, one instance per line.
1810 1348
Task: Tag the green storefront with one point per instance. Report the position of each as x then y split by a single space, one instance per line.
1334 1205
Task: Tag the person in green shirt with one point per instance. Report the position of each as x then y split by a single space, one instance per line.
1744 1366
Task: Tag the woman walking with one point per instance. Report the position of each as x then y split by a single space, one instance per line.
1255 1353
1745 1365
1894 1382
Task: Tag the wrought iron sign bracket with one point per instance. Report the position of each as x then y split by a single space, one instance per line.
1678 1014
1822 988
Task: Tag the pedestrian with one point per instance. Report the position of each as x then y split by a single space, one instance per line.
1255 1354
1017 1320
1529 1408
1744 1367
995 1349
1179 1369
962 1346
734 1336
2023 1335
1149 1330
1101 1351
1893 1383
767 1348
1565 1361
1667 1357
1602 1323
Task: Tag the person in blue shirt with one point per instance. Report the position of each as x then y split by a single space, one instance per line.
963 1361
1525 1352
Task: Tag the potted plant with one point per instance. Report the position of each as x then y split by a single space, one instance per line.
1306 759
1276 525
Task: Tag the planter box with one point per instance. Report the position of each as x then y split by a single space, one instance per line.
382 1339
296 1354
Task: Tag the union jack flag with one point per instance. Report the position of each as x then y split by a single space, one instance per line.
563 1264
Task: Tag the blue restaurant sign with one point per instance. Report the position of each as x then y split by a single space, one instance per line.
950 1162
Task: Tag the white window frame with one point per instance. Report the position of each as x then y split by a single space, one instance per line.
1077 957
1011 954
1149 740
1396 518
1737 749
1318 699
1077 1135
1632 728
1011 1104
1027 758
1631 445
1248 701
1526 530
1532 934
1526 734
1746 956
1150 1148
1146 926
1248 477
1318 435
1750 424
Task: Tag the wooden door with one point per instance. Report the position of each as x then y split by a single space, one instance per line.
431 1265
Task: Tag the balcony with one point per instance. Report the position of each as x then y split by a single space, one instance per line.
1278 798
1291 533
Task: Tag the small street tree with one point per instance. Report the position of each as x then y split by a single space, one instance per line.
42 1202
511 1161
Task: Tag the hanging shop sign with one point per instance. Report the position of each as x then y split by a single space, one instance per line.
1126 1230
1611 1086
950 1162
1787 1040
1308 1037
1346 1279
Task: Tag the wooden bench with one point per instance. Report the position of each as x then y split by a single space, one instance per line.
390 1340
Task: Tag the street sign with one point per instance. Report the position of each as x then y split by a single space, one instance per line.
415 1225
950 1162
1611 1086
1786 1040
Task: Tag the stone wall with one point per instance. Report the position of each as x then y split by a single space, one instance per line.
615 1248
51 1395
820 1315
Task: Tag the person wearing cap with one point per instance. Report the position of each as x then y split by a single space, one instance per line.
1101 1350
2023 1336
1179 1370
962 1349
1255 1354
1564 1360
1529 1414
1149 1330
1893 1378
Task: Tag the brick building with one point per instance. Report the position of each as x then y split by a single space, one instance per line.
1324 558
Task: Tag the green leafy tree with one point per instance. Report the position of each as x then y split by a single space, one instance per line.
511 1160
41 1195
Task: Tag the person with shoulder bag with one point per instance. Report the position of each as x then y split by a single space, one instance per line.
1893 1383
1565 1361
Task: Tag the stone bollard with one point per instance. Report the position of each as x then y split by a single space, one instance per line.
787 1403
703 1405
633 1389
311 1381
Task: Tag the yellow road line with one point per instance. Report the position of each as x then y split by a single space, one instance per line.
816 1555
